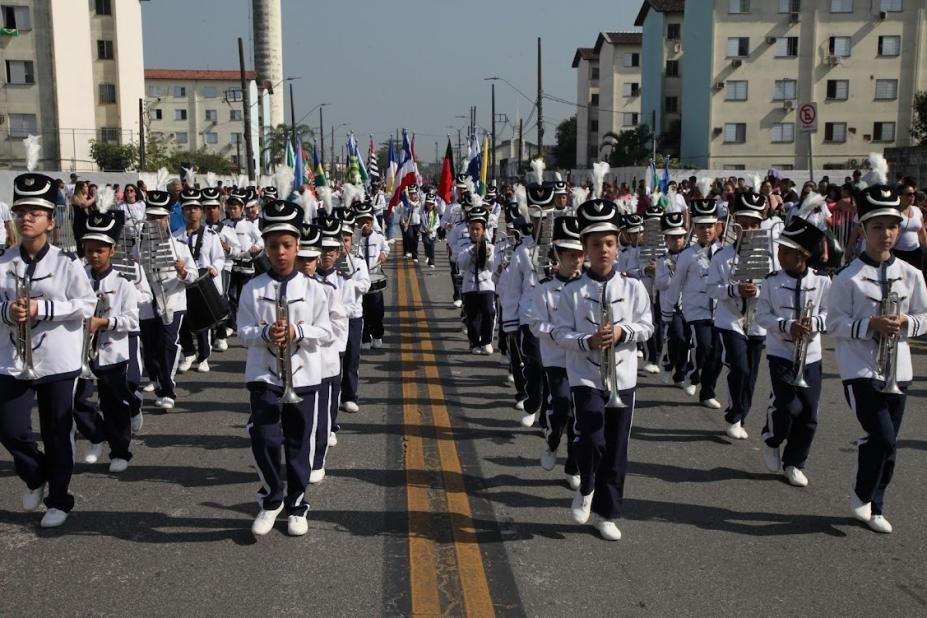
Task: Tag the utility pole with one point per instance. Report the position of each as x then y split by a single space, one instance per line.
332 146
653 135
249 148
492 156
459 160
322 138
521 145
141 134
540 106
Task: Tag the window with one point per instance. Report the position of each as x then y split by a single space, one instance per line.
735 133
593 71
841 6
154 91
211 138
883 132
157 114
785 90
629 119
104 7
20 72
838 89
835 132
735 90
886 89
594 99
671 105
107 93
210 92
22 125
594 125
235 138
674 32
180 91
672 68
839 46
233 95
16 18
738 7
235 115
236 161
790 6
738 47
891 6
631 89
109 135
889 45
104 50
786 47
632 60
180 137
180 114
212 115
783 132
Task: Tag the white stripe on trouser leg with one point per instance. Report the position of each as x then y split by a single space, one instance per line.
264 486
312 434
770 408
177 354
73 426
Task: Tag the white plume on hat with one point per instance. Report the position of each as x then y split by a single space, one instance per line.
324 194
476 200
537 167
670 195
632 202
470 186
599 170
33 146
309 205
283 180
211 179
521 197
161 179
704 185
189 176
754 182
810 204
878 171
351 193
106 197
580 195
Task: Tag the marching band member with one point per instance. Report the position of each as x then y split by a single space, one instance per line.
411 221
430 224
792 307
507 313
282 321
374 249
742 350
45 299
678 335
356 285
654 346
474 260
251 243
603 428
453 220
871 333
228 240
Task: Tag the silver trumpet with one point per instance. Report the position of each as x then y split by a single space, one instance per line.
888 347
608 368
89 348
24 329
285 352
801 348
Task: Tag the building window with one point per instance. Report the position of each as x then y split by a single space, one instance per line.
180 91
738 47
211 138
632 60
891 6
104 7
212 115
157 114
109 135
22 125
790 6
107 93
16 18
783 132
839 46
154 91
20 72
735 133
674 32
235 115
886 89
180 137
889 45
104 50
739 7
735 90
235 138
671 105
594 125
838 89
672 68
629 119
883 132
593 71
786 47
841 6
835 132
180 114
594 99
233 95
236 161
785 90
210 92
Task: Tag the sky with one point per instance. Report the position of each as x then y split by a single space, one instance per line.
386 65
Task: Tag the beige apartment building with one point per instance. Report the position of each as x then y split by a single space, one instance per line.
72 73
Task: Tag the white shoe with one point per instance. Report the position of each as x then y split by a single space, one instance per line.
366 346
118 465
510 379
772 459
458 303
350 406
415 260
690 389
581 507
548 459
185 363
32 498
167 403
221 345
736 431
93 452
640 354
861 511
520 405
333 439
528 420
149 388
137 421
316 476
711 404
297 525
264 522
795 477
431 266
609 530
487 349
651 368
408 255
203 367
53 518
878 523
377 344
229 333
573 480
476 351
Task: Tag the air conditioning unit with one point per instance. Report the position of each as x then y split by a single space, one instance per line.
853 163
793 18
719 86
677 47
883 15
833 60
788 105
771 40
717 131
2 118
736 62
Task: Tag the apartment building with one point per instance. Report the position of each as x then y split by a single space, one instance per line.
72 73
661 98
586 63
749 65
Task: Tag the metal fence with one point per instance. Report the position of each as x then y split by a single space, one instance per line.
57 147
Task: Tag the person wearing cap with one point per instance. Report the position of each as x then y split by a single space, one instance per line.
378 201
431 222
115 359
411 216
602 429
561 195
792 307
698 308
457 232
228 240
677 333
374 249
60 298
505 291
474 259
453 213
560 417
251 244
206 248
859 327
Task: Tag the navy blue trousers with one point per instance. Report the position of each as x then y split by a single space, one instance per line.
533 370
56 464
219 331
455 271
203 343
325 420
350 362
287 429
134 375
114 424
792 416
880 417
742 356
601 447
707 365
479 316
236 282
373 316
560 415
159 342
516 362
678 336
655 344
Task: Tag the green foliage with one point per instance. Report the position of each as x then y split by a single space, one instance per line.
157 152
202 160
919 122
565 149
276 139
113 157
631 147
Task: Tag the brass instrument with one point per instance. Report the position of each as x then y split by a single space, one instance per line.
89 348
751 263
157 257
652 246
887 359
345 262
801 348
24 329
608 368
285 352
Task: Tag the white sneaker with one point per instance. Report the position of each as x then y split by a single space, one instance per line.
581 507
711 404
366 346
149 388
528 420
772 459
185 363
458 303
408 255
736 431
548 459
510 379
118 465
609 530
431 266
53 518
350 406
167 403
316 476
651 368
137 421
297 525
92 453
32 498
795 477
229 333
415 260
377 344
690 389
476 351
333 439
487 349
203 367
861 511
640 354
221 345
878 523
264 522
573 480
520 405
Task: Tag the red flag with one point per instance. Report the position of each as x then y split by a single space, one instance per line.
408 173
446 183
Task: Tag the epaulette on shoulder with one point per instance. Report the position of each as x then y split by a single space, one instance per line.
71 255
772 274
572 281
545 280
2 251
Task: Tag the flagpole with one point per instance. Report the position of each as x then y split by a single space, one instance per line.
493 152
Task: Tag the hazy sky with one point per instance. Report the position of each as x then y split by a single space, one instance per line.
412 63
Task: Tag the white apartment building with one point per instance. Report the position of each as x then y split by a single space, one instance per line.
662 51
586 63
72 73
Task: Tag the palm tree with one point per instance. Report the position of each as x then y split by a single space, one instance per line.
277 138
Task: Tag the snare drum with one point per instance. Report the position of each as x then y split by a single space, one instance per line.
377 283
205 306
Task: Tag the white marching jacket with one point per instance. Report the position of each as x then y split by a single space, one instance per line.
308 313
370 248
854 298
474 279
782 299
662 280
352 288
211 252
540 319
65 298
330 353
730 308
229 236
690 282
121 301
523 280
577 319
248 236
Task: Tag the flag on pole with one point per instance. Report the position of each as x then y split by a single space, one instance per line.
373 169
446 182
290 157
393 167
320 179
664 183
418 177
408 172
298 167
357 174
484 164
474 159
653 175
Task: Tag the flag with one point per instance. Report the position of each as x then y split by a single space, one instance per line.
290 158
357 173
664 183
446 182
308 176
474 159
484 155
320 179
408 172
393 168
418 177
373 169
653 175
298 167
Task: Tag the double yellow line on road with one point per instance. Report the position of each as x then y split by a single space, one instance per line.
423 564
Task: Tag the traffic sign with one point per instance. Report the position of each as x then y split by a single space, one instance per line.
808 117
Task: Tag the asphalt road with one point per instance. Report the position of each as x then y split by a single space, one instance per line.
435 503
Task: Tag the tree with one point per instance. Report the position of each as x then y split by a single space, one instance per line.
202 160
671 139
565 149
113 157
631 147
277 138
157 152
919 122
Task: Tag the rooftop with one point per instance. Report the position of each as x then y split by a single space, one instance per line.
197 74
